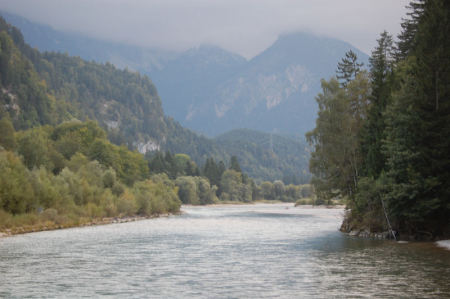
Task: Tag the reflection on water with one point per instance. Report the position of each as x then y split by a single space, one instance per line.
221 251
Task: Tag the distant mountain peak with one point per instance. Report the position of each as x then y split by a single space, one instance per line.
212 90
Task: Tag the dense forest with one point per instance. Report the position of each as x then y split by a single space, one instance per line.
382 137
268 156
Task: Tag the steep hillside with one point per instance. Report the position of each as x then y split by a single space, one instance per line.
268 156
51 87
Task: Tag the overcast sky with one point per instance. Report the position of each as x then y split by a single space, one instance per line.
246 27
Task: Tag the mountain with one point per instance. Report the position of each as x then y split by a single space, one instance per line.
211 90
268 156
50 88
189 80
45 38
273 92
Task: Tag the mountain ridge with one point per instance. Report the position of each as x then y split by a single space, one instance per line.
272 92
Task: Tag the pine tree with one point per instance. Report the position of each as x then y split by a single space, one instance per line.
234 164
381 68
348 68
418 127
406 39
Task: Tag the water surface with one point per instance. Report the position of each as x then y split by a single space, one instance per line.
221 251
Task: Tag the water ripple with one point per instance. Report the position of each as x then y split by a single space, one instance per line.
263 251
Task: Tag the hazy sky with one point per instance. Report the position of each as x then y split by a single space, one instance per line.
243 26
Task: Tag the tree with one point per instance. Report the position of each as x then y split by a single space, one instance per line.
16 192
33 146
187 190
381 78
7 138
417 143
232 187
234 164
336 159
406 38
348 68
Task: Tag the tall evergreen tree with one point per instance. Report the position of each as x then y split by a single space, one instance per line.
348 68
406 39
234 164
381 68
418 128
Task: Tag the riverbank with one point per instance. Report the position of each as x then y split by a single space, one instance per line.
47 226
363 230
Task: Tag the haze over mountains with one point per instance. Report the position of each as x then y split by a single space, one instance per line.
51 88
211 90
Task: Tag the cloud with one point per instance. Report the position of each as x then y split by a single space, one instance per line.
243 26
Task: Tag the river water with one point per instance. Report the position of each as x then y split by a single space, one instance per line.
254 251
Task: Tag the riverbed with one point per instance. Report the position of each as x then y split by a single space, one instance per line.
242 251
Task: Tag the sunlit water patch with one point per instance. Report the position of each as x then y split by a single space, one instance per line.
237 251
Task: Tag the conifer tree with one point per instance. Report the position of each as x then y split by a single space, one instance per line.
381 67
417 142
234 164
406 39
348 68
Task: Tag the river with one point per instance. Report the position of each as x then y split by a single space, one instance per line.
238 251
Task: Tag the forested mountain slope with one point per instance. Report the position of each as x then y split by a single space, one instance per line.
42 88
49 88
268 156
211 90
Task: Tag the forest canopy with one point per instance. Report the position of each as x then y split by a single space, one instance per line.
381 138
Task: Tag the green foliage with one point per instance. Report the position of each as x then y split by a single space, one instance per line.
172 165
213 171
403 146
16 192
382 80
47 88
7 138
348 68
232 187
234 164
156 196
281 192
195 190
336 159
94 182
267 157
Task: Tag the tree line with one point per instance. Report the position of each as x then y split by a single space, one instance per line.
216 181
381 139
70 174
